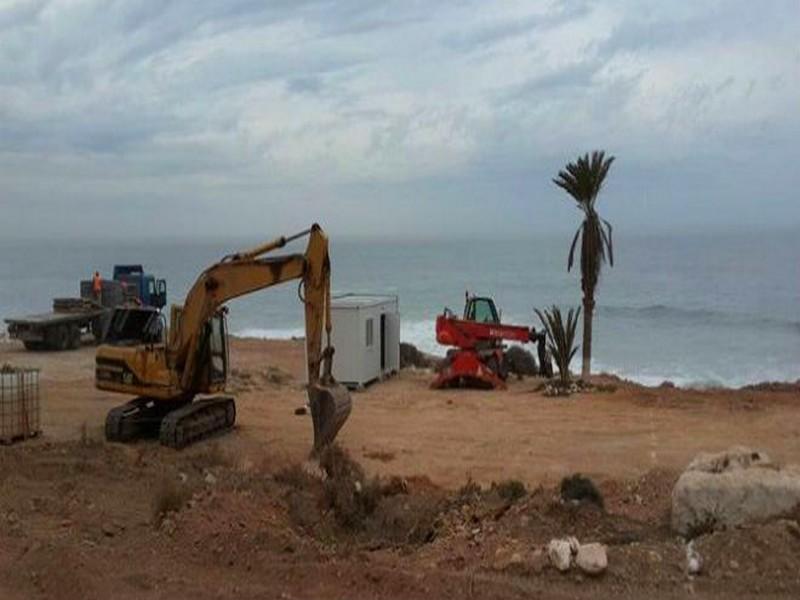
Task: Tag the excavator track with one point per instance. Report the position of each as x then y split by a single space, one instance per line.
139 418
197 420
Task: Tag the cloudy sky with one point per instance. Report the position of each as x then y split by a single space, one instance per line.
211 117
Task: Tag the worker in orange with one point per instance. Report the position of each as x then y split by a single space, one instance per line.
97 287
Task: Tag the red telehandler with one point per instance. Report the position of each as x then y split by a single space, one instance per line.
477 358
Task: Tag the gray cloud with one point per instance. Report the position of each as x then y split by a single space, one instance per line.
348 107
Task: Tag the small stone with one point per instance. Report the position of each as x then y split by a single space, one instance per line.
734 564
168 526
694 562
183 477
108 529
560 554
592 558
210 478
654 556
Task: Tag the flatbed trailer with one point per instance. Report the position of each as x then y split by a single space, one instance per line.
72 318
63 328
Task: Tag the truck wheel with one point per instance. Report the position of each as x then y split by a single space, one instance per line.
57 338
96 327
74 341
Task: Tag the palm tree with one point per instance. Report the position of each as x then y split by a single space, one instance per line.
560 338
582 180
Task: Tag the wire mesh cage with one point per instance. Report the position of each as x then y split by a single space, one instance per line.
19 403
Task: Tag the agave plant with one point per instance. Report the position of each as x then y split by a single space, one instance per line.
560 337
582 180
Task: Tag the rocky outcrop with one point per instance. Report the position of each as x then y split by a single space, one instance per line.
410 356
520 362
722 490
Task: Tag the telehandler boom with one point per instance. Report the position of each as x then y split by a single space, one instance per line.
167 377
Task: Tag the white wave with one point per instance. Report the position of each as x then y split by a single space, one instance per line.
423 335
271 334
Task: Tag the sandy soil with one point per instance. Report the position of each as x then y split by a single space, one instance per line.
76 516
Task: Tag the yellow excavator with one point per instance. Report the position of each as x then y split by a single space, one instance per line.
179 383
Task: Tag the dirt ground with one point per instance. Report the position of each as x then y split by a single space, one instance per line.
80 518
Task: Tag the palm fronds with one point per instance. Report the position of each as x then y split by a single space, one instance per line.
560 337
584 178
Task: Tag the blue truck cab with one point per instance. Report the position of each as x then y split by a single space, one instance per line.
141 286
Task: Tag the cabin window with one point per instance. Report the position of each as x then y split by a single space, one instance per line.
370 332
217 349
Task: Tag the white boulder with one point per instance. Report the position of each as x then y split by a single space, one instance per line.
560 554
731 488
592 558
694 562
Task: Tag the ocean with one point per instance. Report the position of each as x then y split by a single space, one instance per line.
697 310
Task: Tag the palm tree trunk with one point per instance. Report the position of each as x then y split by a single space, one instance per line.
588 315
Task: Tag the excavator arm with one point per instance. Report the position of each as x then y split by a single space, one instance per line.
253 270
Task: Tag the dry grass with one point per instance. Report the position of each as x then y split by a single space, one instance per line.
209 455
578 488
170 497
510 489
380 455
87 438
346 490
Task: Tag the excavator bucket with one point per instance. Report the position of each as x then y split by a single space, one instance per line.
330 407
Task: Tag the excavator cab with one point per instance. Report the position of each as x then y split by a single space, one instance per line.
213 356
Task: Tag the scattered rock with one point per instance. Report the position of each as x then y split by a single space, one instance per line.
730 488
210 478
555 388
592 558
108 529
560 554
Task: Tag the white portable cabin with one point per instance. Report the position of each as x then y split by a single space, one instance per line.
366 337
